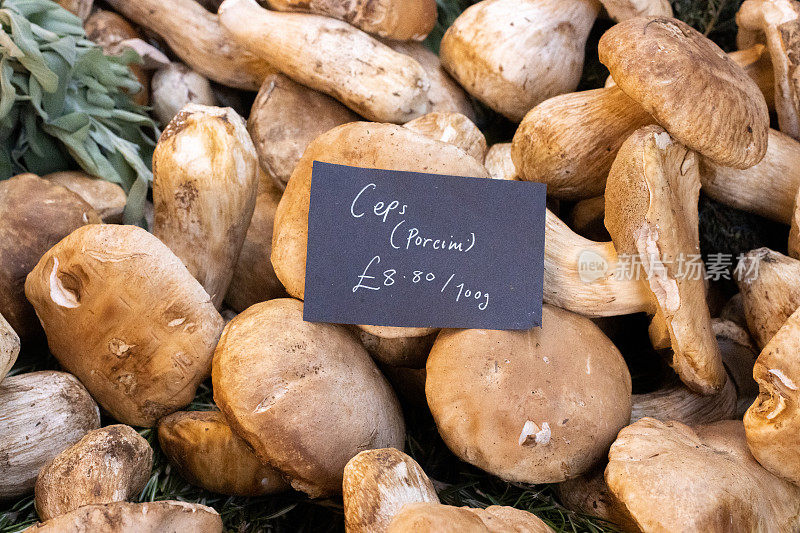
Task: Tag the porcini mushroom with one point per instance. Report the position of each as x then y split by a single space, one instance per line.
110 464
206 452
106 198
674 401
666 475
9 347
728 120
81 8
651 213
409 352
499 164
587 218
154 346
205 182
285 118
41 414
400 20
34 215
627 9
452 128
195 35
124 517
513 54
773 421
305 396
367 76
589 494
254 279
540 428
739 355
770 292
430 517
377 484
174 87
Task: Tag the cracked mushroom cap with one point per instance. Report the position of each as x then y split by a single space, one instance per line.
535 406
124 517
651 214
668 476
690 86
772 423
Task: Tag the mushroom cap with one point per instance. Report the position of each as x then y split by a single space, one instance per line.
504 519
305 396
625 9
107 465
124 517
108 199
535 406
690 86
499 164
176 85
207 453
430 517
651 214
772 423
668 475
452 128
377 484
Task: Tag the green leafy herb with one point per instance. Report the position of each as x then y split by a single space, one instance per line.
64 102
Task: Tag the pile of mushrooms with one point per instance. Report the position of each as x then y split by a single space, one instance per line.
250 94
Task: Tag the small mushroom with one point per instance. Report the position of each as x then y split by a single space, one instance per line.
587 218
361 72
9 347
175 86
285 118
444 94
81 8
452 128
434 517
770 291
41 415
772 423
34 214
728 119
254 279
499 164
401 20
776 23
409 352
513 54
106 198
207 453
668 476
110 464
507 401
153 347
205 182
124 517
651 213
305 396
377 484
198 39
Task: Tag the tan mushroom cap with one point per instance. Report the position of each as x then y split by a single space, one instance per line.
377 484
625 9
668 476
124 517
772 423
499 164
536 406
651 213
207 453
452 128
436 518
305 396
106 198
690 86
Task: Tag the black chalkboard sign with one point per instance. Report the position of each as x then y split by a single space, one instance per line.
390 248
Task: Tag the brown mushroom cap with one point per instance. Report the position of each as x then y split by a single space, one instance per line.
690 86
772 423
305 396
433 517
124 517
410 352
106 198
207 453
153 347
377 484
651 214
109 464
536 406
669 476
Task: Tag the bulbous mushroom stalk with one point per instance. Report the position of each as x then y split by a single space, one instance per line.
513 54
377 484
651 214
499 164
195 35
401 20
205 182
174 86
620 10
777 24
9 347
332 57
666 475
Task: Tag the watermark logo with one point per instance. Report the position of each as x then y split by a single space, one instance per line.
591 266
